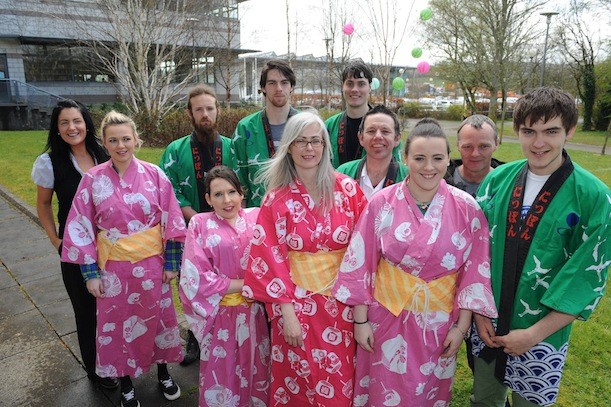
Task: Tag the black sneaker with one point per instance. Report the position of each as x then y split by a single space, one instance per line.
108 383
170 389
128 399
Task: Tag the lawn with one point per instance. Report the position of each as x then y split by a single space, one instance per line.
589 358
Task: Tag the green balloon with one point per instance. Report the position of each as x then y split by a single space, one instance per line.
398 83
417 52
426 14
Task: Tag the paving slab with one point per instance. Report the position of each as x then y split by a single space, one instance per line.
30 269
6 278
82 393
13 251
22 332
47 290
61 316
14 302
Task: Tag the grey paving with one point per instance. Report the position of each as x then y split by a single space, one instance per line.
39 352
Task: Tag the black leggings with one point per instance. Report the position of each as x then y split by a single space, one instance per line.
84 306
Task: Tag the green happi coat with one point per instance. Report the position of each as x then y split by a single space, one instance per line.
565 270
177 163
351 167
333 124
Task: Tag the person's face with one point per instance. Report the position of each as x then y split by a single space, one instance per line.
203 113
476 147
542 144
378 137
427 160
71 126
307 149
277 88
224 198
356 91
120 141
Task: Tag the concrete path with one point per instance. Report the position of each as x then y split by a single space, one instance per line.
39 355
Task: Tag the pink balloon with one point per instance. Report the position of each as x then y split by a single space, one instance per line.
348 29
423 67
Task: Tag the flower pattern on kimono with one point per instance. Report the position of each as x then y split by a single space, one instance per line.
133 328
484 269
190 284
109 327
361 400
383 219
148 284
73 253
213 240
101 189
343 293
112 284
85 196
205 347
403 232
449 261
355 254
445 367
222 335
138 272
211 224
242 331
138 198
135 226
394 353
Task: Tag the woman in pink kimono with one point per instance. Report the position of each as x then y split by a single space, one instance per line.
301 234
416 269
232 332
125 229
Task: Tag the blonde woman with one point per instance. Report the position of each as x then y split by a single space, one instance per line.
125 229
303 228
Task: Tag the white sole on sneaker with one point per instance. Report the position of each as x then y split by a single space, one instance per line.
172 397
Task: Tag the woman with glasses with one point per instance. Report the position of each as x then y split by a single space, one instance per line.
417 267
302 231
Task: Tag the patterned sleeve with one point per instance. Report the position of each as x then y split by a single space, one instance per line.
201 288
473 291
267 277
42 172
580 284
79 243
239 156
170 162
172 221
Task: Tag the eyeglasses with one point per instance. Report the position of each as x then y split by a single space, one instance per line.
302 143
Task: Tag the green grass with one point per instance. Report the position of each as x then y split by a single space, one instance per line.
595 138
589 357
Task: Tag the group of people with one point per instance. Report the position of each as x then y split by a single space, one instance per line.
325 262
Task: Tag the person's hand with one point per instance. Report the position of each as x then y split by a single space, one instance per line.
95 287
169 276
485 330
516 342
292 328
452 342
58 247
363 334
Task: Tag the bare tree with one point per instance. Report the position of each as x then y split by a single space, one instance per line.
389 27
145 45
580 45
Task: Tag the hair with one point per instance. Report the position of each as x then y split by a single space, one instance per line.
280 170
223 172
356 68
477 121
114 118
201 90
545 103
427 128
57 145
383 110
281 66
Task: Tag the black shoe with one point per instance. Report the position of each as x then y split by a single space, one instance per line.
108 383
191 350
170 389
128 399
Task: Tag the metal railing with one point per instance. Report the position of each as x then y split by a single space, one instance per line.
18 93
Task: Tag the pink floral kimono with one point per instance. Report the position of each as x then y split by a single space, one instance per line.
446 258
136 321
233 333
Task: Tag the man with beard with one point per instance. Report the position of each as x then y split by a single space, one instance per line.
186 162
257 136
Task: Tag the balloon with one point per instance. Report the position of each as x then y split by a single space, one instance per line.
375 83
423 67
398 83
417 52
426 14
348 29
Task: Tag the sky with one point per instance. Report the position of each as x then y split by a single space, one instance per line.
264 27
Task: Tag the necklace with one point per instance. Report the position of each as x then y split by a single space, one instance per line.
422 205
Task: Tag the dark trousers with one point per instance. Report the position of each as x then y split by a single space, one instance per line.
84 306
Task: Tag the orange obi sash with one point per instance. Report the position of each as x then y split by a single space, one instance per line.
233 300
133 248
397 290
316 272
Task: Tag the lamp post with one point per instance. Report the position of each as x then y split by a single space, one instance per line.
549 15
328 93
194 64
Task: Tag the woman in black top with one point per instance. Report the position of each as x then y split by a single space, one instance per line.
72 149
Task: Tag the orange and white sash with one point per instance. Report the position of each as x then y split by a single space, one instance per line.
133 248
233 300
316 272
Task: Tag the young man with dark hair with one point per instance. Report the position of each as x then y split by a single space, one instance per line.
257 136
550 249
